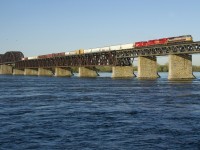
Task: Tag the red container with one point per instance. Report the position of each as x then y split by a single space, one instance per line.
58 54
45 56
49 55
41 56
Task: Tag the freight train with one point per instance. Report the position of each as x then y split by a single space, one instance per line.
141 44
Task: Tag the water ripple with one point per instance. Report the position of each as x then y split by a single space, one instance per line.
102 113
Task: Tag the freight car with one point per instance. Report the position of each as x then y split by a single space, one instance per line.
76 52
109 48
58 54
31 58
51 55
70 53
127 46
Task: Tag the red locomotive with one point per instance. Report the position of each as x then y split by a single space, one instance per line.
184 38
140 44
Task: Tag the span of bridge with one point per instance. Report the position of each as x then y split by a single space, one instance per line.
180 63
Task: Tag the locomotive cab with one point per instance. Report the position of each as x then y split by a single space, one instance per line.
189 38
180 39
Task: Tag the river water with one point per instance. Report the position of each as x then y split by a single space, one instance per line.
99 113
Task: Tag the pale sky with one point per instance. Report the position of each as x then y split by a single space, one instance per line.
37 27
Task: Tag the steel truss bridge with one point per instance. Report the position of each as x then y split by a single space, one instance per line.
107 58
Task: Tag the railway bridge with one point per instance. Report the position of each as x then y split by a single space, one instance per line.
180 62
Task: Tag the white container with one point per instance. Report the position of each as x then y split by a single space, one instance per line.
105 48
128 46
34 57
86 51
66 53
94 50
115 47
70 53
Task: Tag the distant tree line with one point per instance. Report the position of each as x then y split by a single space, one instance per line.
196 68
162 68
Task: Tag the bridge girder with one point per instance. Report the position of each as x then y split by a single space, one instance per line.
11 57
110 58
94 59
185 48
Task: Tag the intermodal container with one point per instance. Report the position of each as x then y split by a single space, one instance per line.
105 48
86 51
58 54
94 50
128 46
115 47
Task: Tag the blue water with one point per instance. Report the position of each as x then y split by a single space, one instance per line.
101 113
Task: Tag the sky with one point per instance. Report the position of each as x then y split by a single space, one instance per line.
37 27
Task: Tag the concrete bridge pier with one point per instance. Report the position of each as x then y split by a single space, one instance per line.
122 72
88 72
31 72
63 72
6 69
18 71
45 72
180 67
147 67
